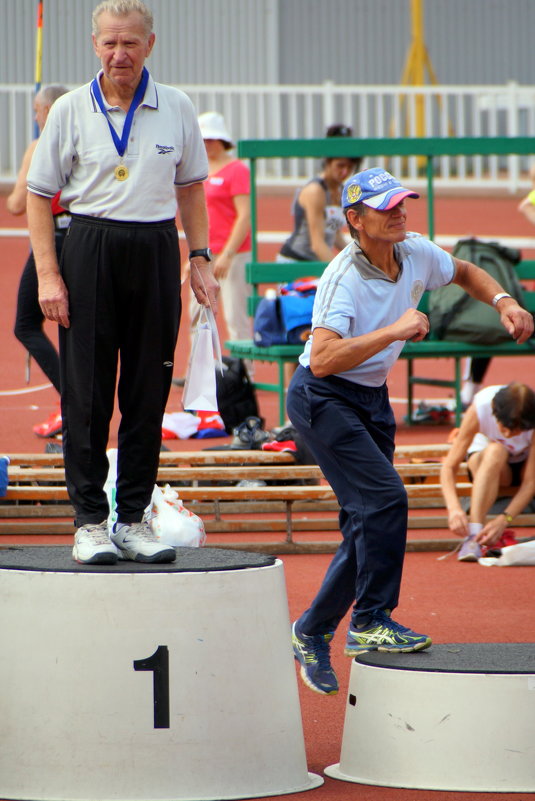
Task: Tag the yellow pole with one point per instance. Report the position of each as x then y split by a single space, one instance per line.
417 66
419 59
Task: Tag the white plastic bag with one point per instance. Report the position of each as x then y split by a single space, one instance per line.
172 523
523 553
200 386
109 487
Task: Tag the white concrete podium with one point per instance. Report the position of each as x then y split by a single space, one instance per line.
455 717
142 682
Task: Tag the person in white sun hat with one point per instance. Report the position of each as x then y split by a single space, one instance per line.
364 312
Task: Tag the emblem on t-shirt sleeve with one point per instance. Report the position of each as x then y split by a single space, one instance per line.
417 290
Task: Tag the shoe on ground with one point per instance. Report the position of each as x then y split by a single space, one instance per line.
284 446
313 654
51 427
92 545
470 550
384 634
250 434
53 447
508 538
138 543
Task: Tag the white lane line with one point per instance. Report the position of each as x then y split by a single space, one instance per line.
274 237
15 232
26 391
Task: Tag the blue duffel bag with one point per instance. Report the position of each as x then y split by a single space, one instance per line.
284 320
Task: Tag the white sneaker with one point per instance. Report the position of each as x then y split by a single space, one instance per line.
92 545
137 542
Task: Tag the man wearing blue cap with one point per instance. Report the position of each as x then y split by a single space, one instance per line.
365 310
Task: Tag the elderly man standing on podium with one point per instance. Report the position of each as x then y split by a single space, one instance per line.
123 150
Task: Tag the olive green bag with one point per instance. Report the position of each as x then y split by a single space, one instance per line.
456 316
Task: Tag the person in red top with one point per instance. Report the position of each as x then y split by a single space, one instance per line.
29 318
227 192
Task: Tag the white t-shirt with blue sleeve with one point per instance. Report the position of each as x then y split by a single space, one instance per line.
355 298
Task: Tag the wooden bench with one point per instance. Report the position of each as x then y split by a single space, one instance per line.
259 274
36 502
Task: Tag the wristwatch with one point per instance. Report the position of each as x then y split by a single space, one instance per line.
499 297
508 517
206 253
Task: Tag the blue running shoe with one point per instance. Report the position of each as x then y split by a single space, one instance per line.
312 653
384 634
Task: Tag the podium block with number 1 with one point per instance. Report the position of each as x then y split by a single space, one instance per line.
147 681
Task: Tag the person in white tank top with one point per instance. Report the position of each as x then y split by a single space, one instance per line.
496 438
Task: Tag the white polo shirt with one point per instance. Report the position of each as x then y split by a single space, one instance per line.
76 154
355 298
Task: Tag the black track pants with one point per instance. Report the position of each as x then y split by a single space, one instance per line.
123 281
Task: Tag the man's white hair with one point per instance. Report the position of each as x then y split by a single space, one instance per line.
121 8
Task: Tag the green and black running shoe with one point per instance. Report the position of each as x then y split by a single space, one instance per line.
384 634
313 654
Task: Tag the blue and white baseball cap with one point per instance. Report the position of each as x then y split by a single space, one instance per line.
375 188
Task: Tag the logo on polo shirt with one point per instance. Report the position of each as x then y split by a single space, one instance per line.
163 149
417 290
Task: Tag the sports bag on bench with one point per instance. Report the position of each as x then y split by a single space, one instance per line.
287 318
456 316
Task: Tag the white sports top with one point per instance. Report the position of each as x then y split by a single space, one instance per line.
517 446
76 154
355 298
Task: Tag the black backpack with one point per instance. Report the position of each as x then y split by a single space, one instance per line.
455 315
236 399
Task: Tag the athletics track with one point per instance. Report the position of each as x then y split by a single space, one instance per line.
451 601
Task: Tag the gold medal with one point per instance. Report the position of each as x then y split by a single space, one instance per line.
121 172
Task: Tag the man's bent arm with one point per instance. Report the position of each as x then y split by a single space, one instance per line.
53 297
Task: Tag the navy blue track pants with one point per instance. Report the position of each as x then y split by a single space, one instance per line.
123 281
350 430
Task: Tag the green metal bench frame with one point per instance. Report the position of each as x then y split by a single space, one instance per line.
262 273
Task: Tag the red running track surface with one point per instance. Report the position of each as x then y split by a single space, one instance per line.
449 600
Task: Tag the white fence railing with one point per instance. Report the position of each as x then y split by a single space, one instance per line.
305 111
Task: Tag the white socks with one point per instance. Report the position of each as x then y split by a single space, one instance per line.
474 529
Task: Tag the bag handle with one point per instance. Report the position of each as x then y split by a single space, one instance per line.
209 318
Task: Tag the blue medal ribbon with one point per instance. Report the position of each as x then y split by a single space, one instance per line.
121 142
